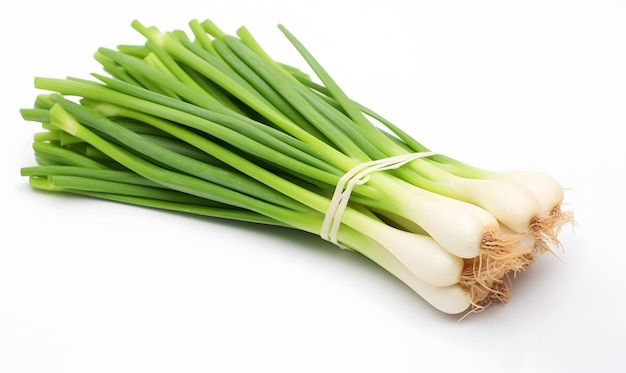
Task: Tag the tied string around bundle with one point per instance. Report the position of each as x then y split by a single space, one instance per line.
358 175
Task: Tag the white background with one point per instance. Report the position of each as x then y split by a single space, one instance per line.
94 286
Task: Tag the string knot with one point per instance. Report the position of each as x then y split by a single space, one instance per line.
358 175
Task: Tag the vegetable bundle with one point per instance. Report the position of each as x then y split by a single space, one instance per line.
208 123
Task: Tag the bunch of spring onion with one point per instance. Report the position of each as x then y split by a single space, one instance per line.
208 123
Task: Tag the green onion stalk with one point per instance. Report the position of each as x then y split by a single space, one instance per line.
208 123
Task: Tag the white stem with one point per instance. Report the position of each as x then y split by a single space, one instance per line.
451 299
512 204
548 191
454 225
422 255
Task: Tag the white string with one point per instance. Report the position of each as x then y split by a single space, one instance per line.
358 175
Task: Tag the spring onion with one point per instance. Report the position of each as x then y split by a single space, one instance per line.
208 123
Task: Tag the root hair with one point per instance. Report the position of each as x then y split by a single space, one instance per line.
485 277
546 229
